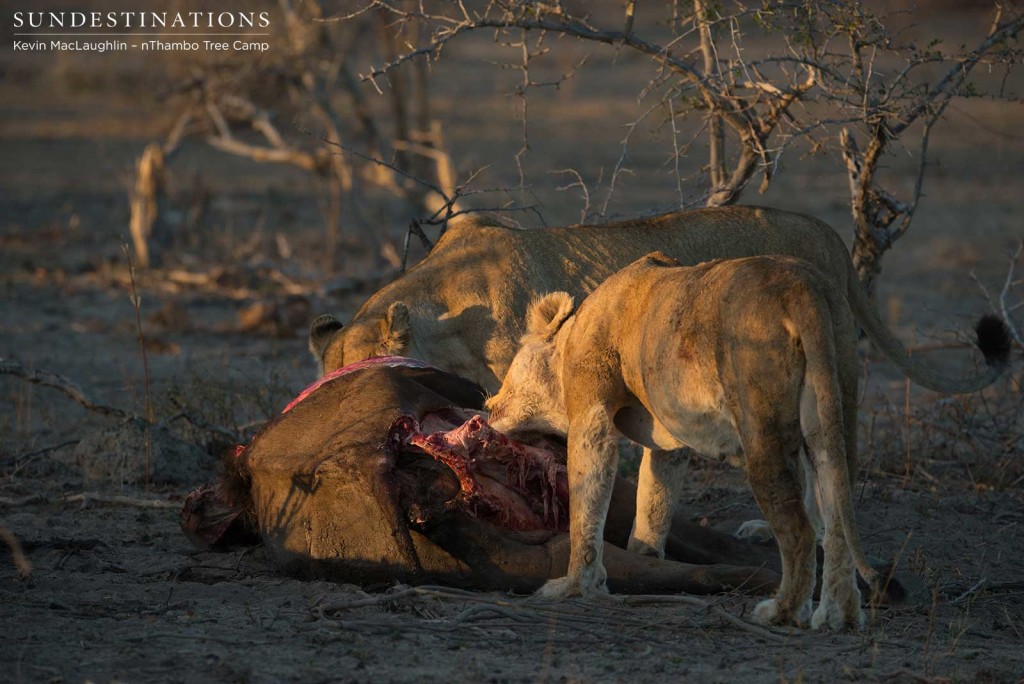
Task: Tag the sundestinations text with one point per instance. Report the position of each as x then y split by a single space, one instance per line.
141 20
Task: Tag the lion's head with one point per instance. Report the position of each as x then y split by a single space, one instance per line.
530 399
334 345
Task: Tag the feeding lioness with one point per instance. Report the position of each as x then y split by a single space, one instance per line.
755 354
462 307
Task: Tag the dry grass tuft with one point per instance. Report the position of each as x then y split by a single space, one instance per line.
933 440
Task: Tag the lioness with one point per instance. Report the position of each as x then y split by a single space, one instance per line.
755 354
462 308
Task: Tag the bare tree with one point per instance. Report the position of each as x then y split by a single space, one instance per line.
833 76
336 133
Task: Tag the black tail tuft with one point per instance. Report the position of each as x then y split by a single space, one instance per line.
994 340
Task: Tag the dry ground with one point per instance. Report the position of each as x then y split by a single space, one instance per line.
117 593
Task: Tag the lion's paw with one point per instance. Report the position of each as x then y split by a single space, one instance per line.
769 612
593 582
642 548
755 531
561 588
830 614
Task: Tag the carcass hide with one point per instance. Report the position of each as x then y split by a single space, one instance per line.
383 472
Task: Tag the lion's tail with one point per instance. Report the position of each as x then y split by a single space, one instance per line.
828 443
992 339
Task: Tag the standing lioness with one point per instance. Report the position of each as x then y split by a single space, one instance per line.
755 354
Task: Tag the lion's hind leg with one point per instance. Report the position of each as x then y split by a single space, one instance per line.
661 475
759 531
771 457
840 604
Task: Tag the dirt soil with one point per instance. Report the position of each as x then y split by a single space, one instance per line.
117 593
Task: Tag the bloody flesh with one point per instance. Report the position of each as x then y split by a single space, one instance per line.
512 485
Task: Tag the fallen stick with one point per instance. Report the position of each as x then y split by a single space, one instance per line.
378 600
763 632
60 383
119 499
71 389
21 501
31 456
17 553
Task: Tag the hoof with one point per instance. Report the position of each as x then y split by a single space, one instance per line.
755 531
769 612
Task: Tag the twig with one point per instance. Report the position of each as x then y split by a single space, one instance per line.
119 499
32 455
446 592
905 674
137 305
488 611
58 382
1002 305
970 592
448 201
581 184
272 155
200 424
627 27
1004 308
716 134
777 636
414 229
197 637
380 599
46 450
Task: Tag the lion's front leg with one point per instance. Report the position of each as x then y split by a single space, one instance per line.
661 477
593 457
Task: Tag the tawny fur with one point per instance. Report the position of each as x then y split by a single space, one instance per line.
757 354
466 301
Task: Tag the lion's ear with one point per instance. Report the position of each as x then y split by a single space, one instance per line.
321 332
547 314
659 258
394 330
